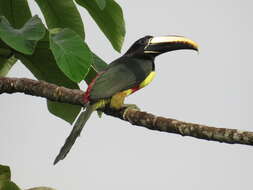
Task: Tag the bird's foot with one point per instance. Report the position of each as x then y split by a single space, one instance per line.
100 113
128 107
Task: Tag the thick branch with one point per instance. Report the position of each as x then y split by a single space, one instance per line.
135 117
40 88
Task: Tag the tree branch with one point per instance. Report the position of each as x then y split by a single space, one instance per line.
135 117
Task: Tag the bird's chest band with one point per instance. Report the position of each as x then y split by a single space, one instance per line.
148 80
144 83
118 99
86 97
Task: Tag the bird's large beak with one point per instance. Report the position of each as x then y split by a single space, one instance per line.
162 44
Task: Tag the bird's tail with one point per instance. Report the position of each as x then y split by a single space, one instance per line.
77 128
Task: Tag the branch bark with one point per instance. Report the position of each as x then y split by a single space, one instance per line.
135 117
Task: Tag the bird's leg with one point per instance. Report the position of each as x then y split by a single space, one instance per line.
130 106
117 101
100 113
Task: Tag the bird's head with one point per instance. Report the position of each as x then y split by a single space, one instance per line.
150 46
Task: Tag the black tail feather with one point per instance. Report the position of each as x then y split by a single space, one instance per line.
77 128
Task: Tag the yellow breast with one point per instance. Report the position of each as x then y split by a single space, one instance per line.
117 100
148 80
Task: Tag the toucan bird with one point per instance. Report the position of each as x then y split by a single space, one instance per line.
127 74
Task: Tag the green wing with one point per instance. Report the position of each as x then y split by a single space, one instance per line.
122 74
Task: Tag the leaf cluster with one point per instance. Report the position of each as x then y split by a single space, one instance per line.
5 179
56 51
7 184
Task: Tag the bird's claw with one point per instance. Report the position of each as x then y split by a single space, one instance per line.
100 113
128 107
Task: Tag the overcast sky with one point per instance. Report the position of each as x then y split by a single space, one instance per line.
213 87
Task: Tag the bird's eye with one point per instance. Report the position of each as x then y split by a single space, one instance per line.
142 42
145 40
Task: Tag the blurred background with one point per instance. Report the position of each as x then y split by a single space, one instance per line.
213 87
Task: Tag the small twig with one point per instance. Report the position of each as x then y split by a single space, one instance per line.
135 117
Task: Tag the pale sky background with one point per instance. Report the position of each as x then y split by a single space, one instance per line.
212 88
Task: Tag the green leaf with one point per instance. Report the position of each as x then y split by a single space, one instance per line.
43 66
25 39
97 66
6 65
62 14
5 173
101 4
9 185
5 51
68 112
71 53
16 11
11 10
41 188
97 63
110 20
7 60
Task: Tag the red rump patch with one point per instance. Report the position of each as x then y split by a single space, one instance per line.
86 97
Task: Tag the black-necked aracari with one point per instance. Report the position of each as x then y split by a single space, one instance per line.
127 74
